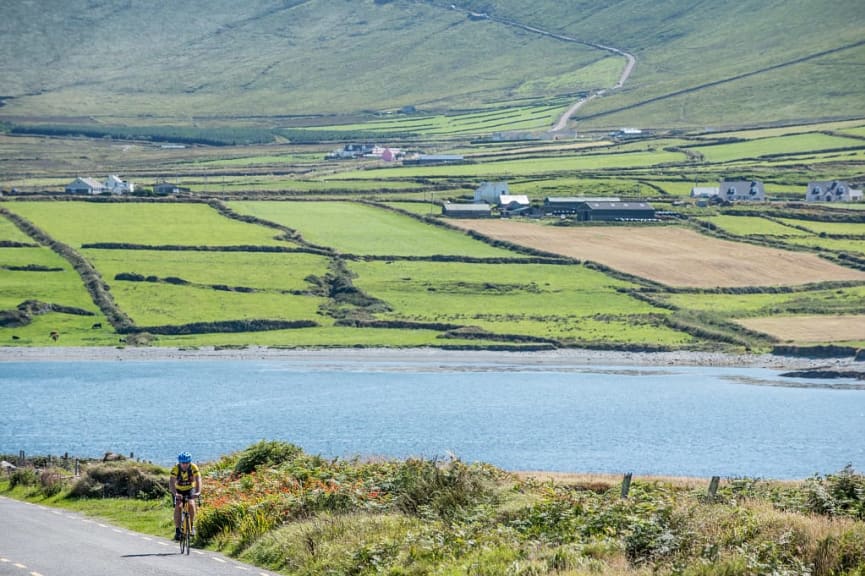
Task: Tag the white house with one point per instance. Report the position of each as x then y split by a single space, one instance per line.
742 190
490 192
703 192
85 186
514 203
831 191
117 186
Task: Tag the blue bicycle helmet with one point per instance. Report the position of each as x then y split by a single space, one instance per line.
184 457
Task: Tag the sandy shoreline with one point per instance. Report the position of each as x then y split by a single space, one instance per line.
431 356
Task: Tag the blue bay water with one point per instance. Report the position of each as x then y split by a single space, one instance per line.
669 420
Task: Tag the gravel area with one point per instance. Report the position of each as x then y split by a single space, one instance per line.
564 357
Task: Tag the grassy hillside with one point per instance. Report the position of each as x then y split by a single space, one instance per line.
267 62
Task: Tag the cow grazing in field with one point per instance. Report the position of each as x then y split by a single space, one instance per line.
55 335
97 325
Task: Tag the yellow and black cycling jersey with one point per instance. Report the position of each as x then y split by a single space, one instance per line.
184 480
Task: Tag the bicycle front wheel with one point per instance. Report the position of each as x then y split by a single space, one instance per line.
187 533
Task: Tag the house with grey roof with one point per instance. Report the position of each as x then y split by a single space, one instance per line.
741 191
832 191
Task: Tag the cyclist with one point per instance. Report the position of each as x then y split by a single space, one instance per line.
185 481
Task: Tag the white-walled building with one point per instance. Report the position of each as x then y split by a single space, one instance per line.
832 191
490 192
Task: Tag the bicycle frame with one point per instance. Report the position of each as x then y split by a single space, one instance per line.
185 525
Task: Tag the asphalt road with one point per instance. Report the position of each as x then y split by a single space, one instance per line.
41 541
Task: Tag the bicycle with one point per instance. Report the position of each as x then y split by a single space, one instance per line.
185 523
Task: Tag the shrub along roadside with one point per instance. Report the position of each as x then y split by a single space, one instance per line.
278 507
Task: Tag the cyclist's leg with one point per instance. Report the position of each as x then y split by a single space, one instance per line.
192 511
177 506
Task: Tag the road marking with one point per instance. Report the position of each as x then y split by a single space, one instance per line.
148 538
56 512
102 525
220 560
19 565
116 530
199 552
163 543
35 574
244 568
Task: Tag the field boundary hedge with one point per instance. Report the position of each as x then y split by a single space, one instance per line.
93 282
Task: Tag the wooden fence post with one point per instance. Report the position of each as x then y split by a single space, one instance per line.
626 485
77 468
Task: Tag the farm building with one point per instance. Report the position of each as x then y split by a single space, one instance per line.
435 159
617 210
117 186
490 192
85 186
742 190
514 203
113 185
832 191
167 188
476 210
704 192
350 151
566 206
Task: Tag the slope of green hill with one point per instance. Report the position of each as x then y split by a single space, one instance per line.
706 64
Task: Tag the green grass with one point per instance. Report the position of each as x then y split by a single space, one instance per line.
275 272
528 167
353 228
560 302
10 233
77 223
829 301
753 226
165 304
832 228
779 145
853 246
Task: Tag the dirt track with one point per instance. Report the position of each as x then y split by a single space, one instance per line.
668 255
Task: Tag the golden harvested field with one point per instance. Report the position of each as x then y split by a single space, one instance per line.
670 255
802 329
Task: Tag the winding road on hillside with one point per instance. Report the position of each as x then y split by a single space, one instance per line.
41 541
630 64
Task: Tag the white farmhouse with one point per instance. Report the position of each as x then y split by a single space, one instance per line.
742 190
115 185
832 191
490 192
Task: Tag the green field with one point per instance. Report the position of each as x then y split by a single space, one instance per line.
828 301
352 228
77 223
568 303
753 226
831 228
779 145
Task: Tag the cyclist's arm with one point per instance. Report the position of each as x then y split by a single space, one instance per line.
198 483
171 487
